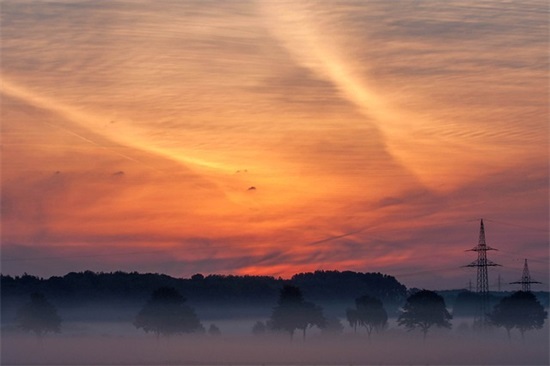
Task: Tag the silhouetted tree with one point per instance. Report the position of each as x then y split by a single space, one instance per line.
38 316
353 318
197 277
166 313
292 312
520 310
311 315
329 285
371 313
423 310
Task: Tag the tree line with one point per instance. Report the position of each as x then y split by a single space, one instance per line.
166 313
78 288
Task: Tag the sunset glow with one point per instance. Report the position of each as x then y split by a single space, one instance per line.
275 137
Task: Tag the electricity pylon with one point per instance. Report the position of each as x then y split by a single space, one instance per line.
526 280
482 286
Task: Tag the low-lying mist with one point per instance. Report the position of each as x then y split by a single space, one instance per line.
102 343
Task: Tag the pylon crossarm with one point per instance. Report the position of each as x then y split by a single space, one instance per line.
486 263
523 282
474 264
480 248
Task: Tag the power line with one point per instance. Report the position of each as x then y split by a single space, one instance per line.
517 225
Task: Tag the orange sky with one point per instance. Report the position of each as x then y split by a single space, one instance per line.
375 135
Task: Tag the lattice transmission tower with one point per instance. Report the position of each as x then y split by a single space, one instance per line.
482 286
526 280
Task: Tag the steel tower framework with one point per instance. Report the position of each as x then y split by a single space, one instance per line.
526 280
482 263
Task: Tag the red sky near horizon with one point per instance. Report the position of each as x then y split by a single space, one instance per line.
271 137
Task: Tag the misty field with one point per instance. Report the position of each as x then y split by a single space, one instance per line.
120 343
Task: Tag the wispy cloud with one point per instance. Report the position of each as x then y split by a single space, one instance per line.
413 69
372 132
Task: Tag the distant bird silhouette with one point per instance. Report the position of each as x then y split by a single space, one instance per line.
252 188
120 172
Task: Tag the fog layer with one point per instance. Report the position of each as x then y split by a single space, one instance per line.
120 343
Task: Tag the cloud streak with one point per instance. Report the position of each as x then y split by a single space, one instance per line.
349 47
373 132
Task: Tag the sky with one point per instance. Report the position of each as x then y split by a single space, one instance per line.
268 137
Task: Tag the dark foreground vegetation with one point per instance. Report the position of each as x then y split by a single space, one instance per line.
329 288
83 288
307 300
303 320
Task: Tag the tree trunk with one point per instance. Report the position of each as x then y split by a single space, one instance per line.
304 334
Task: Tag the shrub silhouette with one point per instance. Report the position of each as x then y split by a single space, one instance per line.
423 310
166 313
520 310
38 316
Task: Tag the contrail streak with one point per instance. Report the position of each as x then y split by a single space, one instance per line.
314 47
14 90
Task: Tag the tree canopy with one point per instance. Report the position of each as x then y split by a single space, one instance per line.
166 313
87 287
520 310
292 312
423 310
39 316
347 285
370 313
